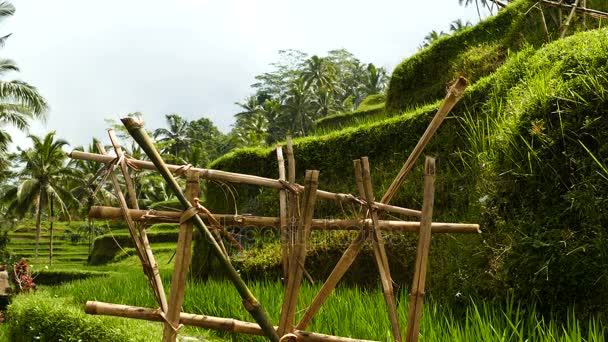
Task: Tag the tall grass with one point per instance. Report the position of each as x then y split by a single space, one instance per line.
350 311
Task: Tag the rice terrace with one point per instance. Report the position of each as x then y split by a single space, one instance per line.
455 189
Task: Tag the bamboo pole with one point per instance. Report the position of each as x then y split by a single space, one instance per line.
422 252
125 170
209 322
293 209
298 255
144 252
345 262
584 5
248 221
454 94
143 235
182 262
587 11
570 16
231 177
135 128
544 23
285 238
380 252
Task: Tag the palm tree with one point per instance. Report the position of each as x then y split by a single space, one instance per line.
19 101
485 3
457 25
324 102
431 37
176 136
42 181
297 107
374 81
320 72
250 107
83 189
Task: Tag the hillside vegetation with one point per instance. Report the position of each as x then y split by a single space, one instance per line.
523 154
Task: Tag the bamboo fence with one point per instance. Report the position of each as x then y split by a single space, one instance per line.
295 223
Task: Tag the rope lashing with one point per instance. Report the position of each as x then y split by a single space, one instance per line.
176 328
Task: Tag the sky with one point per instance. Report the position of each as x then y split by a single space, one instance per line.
96 60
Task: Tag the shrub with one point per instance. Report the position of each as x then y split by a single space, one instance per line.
40 317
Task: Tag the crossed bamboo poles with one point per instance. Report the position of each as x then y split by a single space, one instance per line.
294 236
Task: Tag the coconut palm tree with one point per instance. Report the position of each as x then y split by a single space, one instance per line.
374 81
431 37
42 180
85 186
176 136
320 72
457 25
298 107
19 101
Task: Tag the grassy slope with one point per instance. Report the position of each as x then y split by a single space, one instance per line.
523 155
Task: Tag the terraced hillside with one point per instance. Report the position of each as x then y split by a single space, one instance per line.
69 248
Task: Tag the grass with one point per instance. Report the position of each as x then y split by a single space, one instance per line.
350 311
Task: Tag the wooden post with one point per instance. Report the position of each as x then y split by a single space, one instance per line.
182 262
346 260
454 94
251 304
285 238
380 252
293 208
149 265
422 252
298 255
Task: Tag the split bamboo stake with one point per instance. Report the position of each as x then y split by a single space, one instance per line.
422 252
298 255
570 16
380 252
454 94
124 168
144 252
182 262
345 262
231 177
285 238
543 22
143 236
135 128
209 322
248 221
293 210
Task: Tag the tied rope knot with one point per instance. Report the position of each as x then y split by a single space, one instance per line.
180 171
175 327
290 187
194 209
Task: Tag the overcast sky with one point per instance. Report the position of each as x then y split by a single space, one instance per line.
94 60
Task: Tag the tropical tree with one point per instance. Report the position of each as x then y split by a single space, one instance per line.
175 136
85 187
374 81
19 101
320 73
457 25
298 107
431 37
42 181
